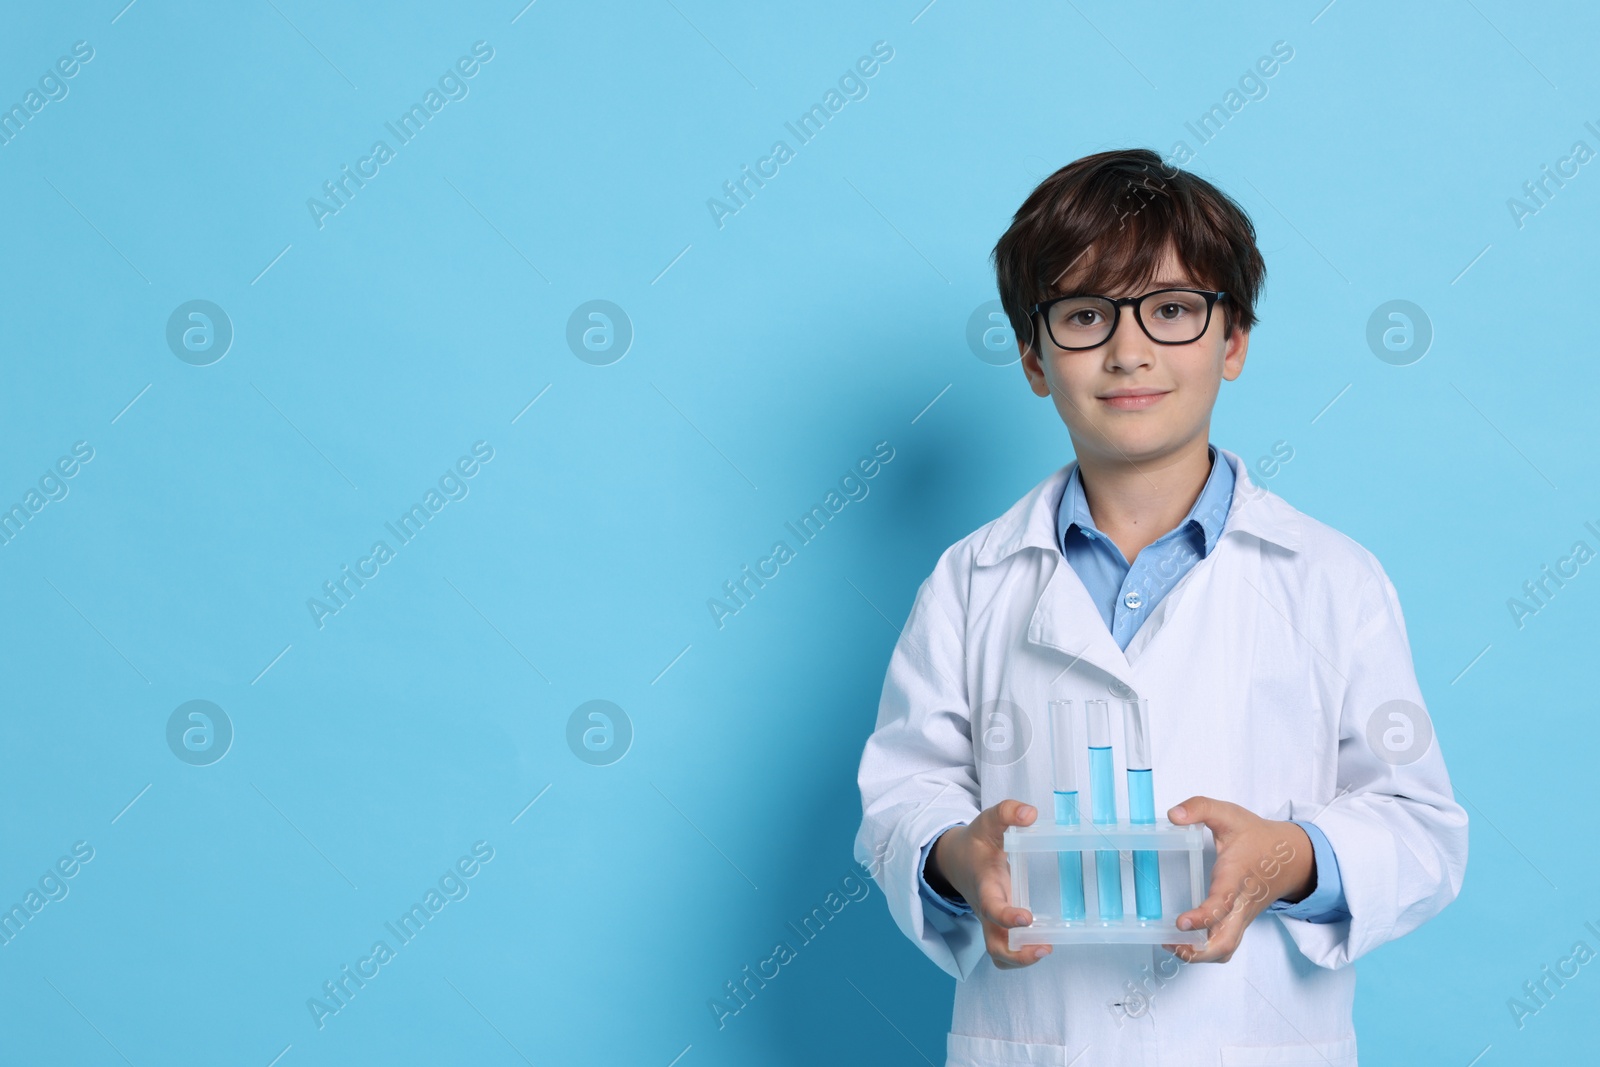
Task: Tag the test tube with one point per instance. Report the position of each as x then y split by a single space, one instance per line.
1103 807
1141 806
1066 795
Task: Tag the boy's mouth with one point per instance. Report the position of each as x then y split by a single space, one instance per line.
1132 399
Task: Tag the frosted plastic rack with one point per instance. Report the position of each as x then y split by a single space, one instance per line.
1180 849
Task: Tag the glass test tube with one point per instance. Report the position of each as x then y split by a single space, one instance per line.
1103 806
1064 758
1141 806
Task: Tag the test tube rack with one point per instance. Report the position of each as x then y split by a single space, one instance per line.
1089 838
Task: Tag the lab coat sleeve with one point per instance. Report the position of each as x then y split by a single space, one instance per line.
917 774
1325 902
1400 836
954 907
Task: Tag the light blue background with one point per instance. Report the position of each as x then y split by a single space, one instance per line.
769 355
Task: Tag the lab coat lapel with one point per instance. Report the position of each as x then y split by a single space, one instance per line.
1170 604
1254 516
1066 619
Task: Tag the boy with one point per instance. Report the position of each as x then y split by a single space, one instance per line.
1285 712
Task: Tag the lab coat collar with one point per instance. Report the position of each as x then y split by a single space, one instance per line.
1066 618
1031 521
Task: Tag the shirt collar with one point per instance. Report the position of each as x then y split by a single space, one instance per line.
1032 520
1207 516
1211 509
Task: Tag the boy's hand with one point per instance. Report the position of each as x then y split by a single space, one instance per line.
972 860
1258 861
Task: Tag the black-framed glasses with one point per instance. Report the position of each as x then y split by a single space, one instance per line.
1167 316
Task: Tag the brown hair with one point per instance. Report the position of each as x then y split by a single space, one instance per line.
1125 207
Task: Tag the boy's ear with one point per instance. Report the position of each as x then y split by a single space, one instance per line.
1234 350
1032 368
1030 363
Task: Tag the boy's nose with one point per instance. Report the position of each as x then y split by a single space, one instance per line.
1128 347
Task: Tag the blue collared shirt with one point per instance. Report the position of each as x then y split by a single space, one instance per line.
1126 596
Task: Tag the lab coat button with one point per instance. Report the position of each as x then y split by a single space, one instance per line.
1120 691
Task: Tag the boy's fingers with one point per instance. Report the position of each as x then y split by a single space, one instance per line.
999 917
992 822
1224 931
994 906
1218 904
1220 815
1224 914
1219 947
1004 958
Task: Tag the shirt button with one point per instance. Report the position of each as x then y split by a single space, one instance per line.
1133 600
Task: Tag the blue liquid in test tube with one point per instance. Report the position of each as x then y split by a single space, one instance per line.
1070 864
1142 806
1103 807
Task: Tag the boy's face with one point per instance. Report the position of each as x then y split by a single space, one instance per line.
1185 378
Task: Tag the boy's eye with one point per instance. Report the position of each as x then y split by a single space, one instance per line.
1170 310
1084 317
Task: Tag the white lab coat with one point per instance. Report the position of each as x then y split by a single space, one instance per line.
1262 667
